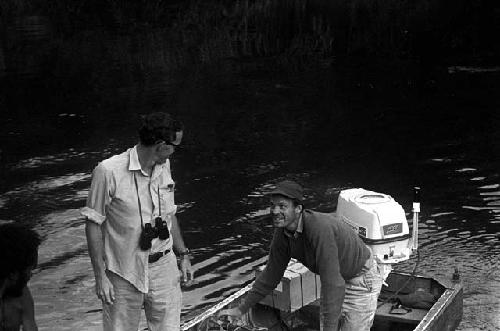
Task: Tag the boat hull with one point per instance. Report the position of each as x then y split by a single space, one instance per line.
444 314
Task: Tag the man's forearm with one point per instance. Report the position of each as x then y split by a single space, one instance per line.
271 275
178 242
95 245
332 297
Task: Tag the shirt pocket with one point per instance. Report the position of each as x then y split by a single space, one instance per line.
167 198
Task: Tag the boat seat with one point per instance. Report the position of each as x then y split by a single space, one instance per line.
412 317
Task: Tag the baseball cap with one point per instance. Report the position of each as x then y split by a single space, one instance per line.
289 189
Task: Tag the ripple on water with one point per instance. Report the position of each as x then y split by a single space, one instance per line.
49 183
477 178
67 286
462 206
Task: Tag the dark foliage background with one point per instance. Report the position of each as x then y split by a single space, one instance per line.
103 59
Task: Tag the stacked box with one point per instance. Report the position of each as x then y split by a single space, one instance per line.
298 288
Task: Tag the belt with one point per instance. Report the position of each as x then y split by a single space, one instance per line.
156 256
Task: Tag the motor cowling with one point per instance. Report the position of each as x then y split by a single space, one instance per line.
379 220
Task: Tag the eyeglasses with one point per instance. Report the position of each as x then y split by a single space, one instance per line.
168 144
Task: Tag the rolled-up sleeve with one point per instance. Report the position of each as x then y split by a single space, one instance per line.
99 195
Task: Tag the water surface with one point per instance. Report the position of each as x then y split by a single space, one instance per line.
248 125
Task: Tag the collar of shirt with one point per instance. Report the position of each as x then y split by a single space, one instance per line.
300 227
135 165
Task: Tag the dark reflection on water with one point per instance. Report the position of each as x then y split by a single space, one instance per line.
249 125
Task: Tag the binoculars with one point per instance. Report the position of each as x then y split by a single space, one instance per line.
160 230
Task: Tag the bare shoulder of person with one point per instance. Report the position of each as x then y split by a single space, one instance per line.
12 312
28 311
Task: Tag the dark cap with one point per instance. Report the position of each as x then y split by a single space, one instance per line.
289 189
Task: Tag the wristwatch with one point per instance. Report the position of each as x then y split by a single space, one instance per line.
184 252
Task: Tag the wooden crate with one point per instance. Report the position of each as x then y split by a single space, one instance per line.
298 288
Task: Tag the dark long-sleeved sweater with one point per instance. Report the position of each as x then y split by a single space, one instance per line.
328 247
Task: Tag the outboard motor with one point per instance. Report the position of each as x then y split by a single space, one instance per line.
381 222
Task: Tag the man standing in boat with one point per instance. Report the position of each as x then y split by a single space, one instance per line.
132 231
350 278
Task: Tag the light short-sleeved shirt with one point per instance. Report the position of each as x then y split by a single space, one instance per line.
112 203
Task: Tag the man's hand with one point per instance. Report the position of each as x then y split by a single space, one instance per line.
104 290
187 271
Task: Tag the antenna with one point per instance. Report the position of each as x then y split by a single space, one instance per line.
416 211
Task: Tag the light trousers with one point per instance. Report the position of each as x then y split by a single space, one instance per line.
162 304
360 301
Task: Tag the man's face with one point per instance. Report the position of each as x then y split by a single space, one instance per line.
164 150
284 213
